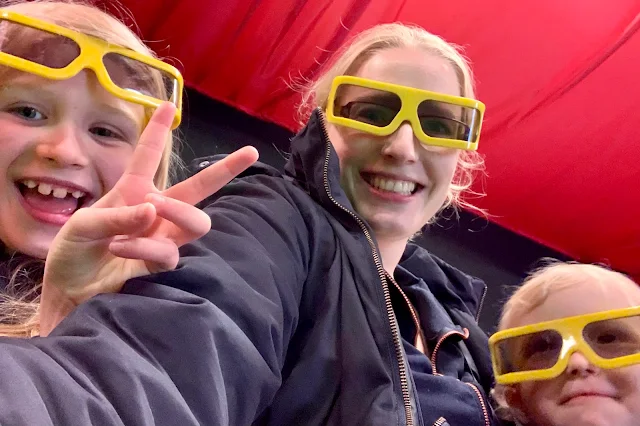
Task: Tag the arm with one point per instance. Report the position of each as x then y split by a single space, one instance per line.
134 230
207 351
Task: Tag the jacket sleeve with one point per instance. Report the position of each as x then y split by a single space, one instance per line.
204 347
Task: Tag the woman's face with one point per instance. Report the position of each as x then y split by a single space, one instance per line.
64 145
395 182
584 394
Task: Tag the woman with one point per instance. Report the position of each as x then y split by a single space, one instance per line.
568 349
315 307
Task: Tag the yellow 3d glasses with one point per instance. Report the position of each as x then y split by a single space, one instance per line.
609 339
380 108
58 53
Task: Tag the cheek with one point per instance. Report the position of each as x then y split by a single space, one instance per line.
534 394
13 136
15 147
110 166
353 148
441 167
627 382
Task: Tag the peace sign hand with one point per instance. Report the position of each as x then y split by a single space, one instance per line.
135 229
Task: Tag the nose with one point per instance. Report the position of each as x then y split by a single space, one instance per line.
62 146
579 365
401 145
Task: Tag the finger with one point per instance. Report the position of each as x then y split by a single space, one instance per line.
158 254
148 153
214 177
97 223
190 222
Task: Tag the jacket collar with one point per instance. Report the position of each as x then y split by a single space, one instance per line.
449 285
314 166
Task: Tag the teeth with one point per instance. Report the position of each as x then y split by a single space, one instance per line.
59 192
45 188
398 186
56 191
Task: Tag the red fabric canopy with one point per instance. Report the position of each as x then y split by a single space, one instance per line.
561 135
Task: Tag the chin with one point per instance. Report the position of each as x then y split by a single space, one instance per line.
391 228
588 416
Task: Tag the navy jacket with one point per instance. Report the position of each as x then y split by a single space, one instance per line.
281 315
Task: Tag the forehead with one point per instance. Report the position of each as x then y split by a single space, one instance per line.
412 67
587 296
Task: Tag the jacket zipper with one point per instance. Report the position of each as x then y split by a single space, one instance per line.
414 315
440 422
404 382
434 354
464 335
485 413
484 293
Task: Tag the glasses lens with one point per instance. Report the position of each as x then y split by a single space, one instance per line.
133 75
449 121
375 107
529 352
44 48
614 338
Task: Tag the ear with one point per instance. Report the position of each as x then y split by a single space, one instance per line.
513 398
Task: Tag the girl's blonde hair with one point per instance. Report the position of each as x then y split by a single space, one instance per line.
365 45
553 277
19 301
536 289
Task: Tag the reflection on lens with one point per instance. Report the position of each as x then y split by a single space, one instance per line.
615 337
131 74
535 351
48 49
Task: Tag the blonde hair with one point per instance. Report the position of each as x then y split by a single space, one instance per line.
19 302
368 43
537 287
553 277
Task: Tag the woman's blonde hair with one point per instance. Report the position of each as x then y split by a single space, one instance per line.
365 45
19 301
537 287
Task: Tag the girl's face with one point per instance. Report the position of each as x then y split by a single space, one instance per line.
64 145
584 394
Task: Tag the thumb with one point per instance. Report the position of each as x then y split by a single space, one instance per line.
90 224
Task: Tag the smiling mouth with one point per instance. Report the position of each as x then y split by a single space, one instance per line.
50 198
385 184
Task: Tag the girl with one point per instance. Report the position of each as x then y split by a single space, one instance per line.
568 353
77 88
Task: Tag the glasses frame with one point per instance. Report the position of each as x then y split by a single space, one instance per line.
92 52
570 329
411 98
